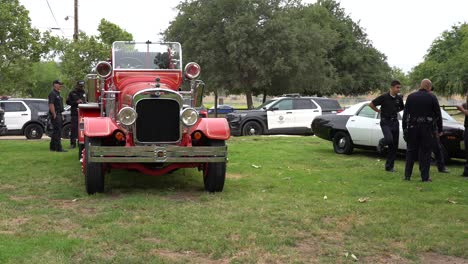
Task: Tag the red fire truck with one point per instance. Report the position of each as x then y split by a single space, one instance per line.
142 115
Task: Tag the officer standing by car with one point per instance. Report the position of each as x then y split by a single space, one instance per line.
422 109
55 113
437 147
464 109
75 97
390 104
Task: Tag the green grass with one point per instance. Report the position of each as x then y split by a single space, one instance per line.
274 214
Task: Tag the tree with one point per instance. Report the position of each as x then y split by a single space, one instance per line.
277 46
446 62
20 46
79 57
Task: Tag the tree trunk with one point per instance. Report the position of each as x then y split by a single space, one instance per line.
216 103
264 96
248 94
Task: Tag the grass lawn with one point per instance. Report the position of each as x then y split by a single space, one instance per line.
273 214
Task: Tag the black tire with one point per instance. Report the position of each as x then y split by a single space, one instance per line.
94 173
80 150
66 131
214 174
342 143
252 128
34 131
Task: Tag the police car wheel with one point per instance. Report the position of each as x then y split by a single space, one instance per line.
252 128
342 143
94 173
33 131
66 131
214 174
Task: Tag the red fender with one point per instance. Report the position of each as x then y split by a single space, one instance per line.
99 126
214 128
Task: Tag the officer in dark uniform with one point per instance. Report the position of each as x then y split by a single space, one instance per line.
464 110
437 147
390 104
75 97
55 113
421 111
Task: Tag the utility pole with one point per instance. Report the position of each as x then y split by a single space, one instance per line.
75 34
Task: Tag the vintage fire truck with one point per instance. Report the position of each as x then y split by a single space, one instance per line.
142 115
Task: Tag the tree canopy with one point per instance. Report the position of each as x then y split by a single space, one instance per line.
446 62
278 46
20 47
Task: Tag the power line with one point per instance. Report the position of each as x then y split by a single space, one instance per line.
56 22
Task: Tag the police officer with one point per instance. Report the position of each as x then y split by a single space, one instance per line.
75 97
421 111
390 104
55 113
464 110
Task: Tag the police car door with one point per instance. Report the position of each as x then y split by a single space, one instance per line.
360 126
280 115
16 114
305 111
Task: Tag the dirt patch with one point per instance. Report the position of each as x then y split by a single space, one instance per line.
153 240
11 225
74 205
7 187
22 198
309 250
434 258
184 196
385 259
234 176
185 256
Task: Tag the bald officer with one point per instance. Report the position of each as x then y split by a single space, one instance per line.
422 110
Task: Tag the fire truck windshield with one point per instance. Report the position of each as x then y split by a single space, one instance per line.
146 56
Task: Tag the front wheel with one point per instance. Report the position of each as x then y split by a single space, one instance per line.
252 128
214 174
94 173
66 131
33 131
342 143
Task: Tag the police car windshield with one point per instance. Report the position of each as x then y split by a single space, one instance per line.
146 56
267 104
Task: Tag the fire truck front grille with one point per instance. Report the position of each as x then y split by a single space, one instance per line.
158 121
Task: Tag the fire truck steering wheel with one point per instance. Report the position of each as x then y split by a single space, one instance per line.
130 63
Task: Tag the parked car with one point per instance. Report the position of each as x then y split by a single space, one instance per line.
359 126
22 116
3 128
222 109
290 114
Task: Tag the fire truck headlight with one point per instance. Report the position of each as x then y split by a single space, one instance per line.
189 116
127 116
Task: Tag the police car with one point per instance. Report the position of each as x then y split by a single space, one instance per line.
359 126
288 114
22 116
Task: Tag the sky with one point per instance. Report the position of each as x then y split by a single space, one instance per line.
402 29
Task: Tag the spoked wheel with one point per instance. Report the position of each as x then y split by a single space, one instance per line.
214 174
252 128
94 173
342 143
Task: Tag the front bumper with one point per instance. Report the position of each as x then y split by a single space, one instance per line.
157 154
3 130
235 128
